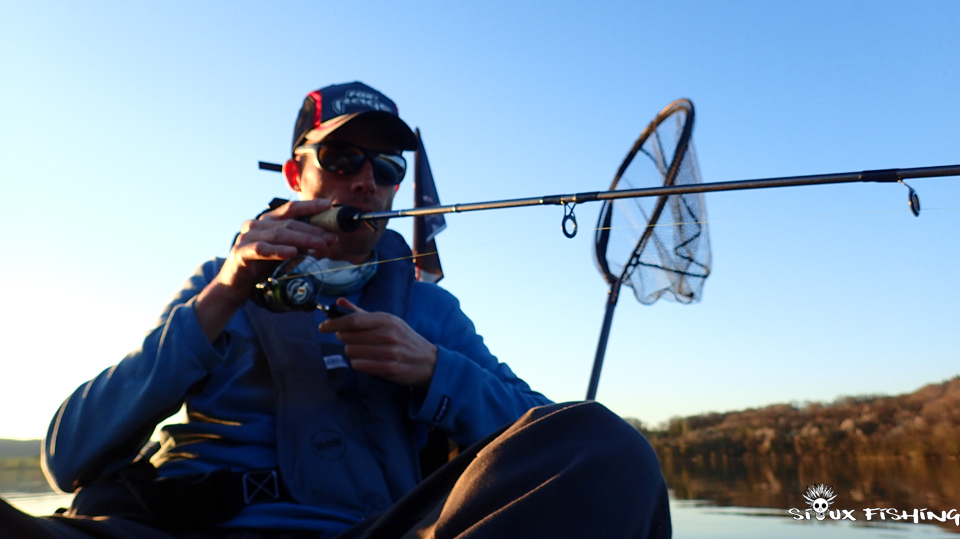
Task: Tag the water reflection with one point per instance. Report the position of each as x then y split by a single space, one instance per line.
694 520
733 499
25 488
860 483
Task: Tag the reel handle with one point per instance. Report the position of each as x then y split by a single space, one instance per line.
339 219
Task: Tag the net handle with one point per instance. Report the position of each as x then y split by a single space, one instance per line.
606 212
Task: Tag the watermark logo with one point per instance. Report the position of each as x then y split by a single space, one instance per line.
820 497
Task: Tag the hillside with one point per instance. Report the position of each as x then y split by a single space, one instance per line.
18 449
923 423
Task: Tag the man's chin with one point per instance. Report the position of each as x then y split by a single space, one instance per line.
358 244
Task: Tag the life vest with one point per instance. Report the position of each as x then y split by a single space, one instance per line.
348 445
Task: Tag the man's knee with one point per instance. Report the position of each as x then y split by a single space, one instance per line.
580 459
586 419
589 430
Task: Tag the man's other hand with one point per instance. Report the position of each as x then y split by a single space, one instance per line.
384 345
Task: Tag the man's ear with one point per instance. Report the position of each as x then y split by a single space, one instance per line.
291 172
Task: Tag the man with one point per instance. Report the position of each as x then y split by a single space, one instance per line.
303 426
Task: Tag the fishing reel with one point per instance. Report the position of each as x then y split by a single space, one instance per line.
294 286
291 287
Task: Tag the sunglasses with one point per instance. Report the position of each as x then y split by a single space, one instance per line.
346 159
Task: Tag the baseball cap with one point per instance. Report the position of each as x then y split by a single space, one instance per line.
355 113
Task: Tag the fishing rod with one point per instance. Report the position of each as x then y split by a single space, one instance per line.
349 218
677 263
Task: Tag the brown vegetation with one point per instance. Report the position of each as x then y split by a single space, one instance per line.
925 423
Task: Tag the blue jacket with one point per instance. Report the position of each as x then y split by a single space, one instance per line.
260 397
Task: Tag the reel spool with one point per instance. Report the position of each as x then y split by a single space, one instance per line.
288 289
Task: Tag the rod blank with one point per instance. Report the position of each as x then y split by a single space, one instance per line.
884 176
344 218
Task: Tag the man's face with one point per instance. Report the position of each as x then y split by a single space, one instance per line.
360 190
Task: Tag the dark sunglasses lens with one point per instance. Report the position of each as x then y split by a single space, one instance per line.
340 159
389 170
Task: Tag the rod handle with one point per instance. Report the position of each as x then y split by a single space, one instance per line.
339 219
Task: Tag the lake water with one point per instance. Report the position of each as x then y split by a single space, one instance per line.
717 498
732 501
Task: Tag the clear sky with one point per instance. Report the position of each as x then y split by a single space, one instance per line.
130 133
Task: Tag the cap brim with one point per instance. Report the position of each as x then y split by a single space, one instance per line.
375 129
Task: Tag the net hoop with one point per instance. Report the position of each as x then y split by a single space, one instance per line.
606 215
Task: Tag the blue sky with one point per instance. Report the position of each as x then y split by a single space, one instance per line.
130 136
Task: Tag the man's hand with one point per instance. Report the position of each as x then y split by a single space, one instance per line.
275 236
384 345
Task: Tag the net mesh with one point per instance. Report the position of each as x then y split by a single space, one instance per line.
658 246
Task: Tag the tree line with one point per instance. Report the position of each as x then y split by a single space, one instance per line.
925 423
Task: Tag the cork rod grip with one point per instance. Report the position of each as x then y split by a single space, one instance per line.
341 219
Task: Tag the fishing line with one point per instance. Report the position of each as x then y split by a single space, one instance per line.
344 268
473 247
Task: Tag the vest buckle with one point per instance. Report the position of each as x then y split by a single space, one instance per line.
261 486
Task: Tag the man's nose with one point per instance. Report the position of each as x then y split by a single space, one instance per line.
363 181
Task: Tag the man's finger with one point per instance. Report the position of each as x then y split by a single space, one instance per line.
287 233
357 321
349 322
297 208
372 336
262 250
363 352
346 303
292 235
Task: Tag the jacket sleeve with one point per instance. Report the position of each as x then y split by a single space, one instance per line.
471 394
106 421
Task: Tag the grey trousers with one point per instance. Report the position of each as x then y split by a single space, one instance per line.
570 470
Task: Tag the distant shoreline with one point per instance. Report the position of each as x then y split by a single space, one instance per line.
923 424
